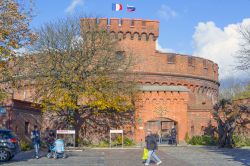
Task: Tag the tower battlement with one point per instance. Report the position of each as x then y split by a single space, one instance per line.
124 26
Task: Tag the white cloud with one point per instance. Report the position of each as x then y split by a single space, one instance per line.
164 50
166 12
219 45
73 5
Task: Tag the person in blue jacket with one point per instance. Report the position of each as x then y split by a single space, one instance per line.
152 146
36 140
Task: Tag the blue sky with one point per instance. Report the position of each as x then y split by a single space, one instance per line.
178 18
186 26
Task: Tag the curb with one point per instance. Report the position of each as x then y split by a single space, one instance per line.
116 148
74 150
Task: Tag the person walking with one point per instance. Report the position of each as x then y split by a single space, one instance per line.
152 146
36 140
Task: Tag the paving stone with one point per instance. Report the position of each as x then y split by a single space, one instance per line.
171 156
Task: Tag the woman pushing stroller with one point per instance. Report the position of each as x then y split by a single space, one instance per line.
50 139
55 146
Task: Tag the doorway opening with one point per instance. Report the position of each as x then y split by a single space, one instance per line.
165 130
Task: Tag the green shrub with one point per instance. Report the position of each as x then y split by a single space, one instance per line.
208 140
195 140
128 142
25 146
202 140
240 140
103 143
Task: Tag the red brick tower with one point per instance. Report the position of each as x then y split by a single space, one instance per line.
175 89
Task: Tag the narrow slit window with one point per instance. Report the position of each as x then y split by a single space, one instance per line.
171 58
191 61
132 23
143 23
205 65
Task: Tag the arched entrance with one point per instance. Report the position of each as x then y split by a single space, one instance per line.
162 127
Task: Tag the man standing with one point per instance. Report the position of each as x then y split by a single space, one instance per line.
151 144
173 136
35 137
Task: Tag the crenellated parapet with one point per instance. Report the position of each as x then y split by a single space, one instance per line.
186 65
134 28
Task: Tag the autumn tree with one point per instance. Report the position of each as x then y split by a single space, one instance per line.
79 73
14 34
229 116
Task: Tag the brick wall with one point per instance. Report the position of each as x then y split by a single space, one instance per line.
20 118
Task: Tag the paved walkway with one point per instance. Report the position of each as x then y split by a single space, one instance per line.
171 156
210 156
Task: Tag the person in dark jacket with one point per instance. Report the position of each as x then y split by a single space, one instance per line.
173 136
50 139
151 145
36 140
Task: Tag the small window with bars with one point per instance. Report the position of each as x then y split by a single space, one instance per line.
143 23
171 58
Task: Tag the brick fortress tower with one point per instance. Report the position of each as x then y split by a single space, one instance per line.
175 90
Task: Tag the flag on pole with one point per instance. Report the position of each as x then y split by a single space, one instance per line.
130 8
116 7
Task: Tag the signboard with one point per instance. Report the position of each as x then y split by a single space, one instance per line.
116 131
68 136
65 132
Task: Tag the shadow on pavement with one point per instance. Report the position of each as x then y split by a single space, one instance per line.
23 156
235 154
29 155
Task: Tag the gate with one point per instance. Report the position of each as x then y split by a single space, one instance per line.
163 130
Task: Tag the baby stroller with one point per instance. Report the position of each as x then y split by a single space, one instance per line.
57 150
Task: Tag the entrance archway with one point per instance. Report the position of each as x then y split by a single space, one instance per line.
162 127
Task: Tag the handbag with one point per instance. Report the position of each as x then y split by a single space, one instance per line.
145 154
